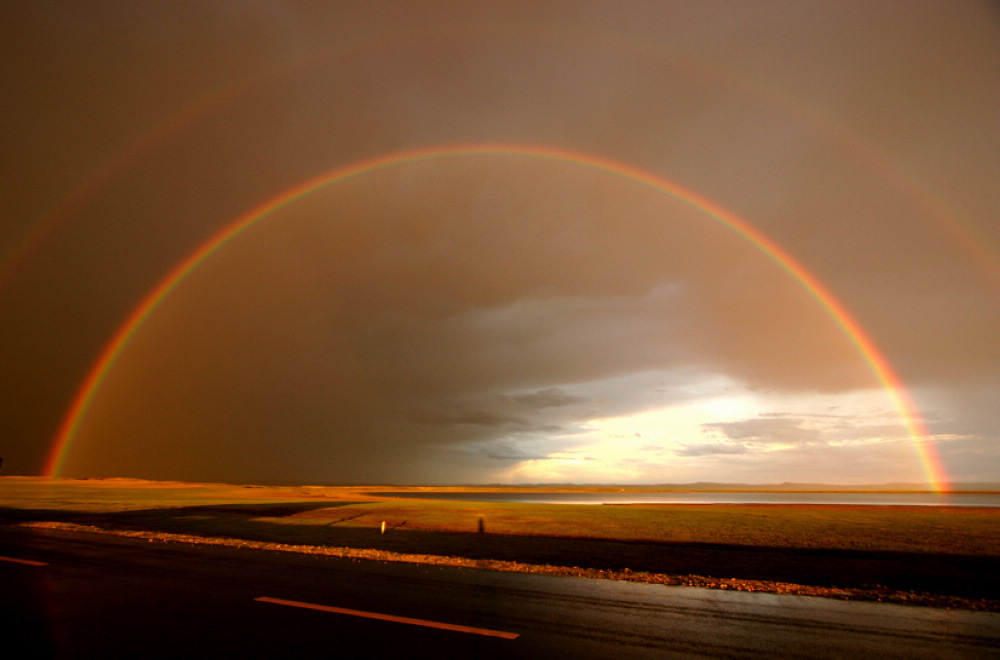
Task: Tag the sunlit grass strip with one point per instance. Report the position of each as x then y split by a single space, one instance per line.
317 515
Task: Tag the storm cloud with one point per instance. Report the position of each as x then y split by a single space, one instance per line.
499 315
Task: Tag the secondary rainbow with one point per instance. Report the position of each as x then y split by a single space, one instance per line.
883 371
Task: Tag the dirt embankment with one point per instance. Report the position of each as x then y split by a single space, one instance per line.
950 582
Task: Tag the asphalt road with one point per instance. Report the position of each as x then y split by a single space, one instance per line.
106 597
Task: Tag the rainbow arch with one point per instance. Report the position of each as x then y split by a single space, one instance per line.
880 367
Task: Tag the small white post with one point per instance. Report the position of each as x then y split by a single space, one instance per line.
383 527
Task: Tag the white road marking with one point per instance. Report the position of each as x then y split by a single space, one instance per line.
388 617
26 562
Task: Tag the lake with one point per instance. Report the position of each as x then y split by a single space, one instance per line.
868 499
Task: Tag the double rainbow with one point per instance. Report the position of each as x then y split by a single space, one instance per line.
880 367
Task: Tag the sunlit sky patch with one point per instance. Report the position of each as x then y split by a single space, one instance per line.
699 435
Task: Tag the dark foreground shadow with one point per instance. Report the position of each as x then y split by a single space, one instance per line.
974 577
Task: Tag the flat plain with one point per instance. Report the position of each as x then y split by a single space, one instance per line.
939 556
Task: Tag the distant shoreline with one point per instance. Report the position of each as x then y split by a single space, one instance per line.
707 498
698 487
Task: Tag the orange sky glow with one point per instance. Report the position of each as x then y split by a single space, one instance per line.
526 243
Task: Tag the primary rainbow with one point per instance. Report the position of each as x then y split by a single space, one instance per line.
893 386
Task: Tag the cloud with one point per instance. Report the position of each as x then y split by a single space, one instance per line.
711 449
517 450
510 451
476 417
547 411
551 397
764 431
769 432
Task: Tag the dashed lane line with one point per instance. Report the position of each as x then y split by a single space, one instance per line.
26 562
389 617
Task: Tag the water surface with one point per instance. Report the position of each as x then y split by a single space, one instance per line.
869 499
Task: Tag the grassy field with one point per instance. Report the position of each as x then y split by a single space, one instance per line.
934 552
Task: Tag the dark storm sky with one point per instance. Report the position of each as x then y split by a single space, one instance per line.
494 317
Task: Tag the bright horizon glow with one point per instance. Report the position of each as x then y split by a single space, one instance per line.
901 401
673 439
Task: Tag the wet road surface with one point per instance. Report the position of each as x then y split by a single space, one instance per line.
75 595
